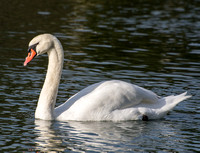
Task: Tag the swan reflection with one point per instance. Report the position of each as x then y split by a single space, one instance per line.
100 136
47 139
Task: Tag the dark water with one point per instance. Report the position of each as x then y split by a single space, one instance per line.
154 44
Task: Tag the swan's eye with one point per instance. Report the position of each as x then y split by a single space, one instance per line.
32 47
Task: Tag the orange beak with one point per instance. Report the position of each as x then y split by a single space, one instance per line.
30 56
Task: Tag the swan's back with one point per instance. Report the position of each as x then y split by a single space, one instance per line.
102 99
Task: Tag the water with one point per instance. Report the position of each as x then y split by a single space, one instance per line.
152 44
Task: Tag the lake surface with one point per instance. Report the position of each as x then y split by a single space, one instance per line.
154 44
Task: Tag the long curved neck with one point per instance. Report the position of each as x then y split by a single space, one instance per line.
47 99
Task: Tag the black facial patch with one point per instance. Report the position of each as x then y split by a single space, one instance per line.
32 47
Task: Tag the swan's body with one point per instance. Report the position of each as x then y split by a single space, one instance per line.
109 100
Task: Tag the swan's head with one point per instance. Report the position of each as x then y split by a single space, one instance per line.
39 45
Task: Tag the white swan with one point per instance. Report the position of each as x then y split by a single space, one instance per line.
108 100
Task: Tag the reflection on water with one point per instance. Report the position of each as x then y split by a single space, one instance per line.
154 44
110 136
47 139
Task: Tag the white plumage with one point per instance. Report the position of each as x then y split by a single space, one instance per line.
108 100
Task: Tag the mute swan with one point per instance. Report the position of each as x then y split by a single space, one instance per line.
107 100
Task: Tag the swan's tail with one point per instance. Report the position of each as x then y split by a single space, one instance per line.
171 102
174 100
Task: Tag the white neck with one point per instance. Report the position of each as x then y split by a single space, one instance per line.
47 99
